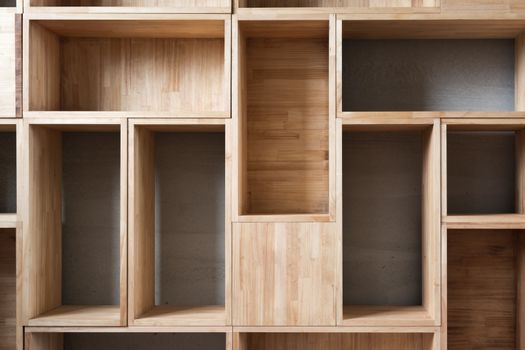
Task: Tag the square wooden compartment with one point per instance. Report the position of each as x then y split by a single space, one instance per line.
338 341
283 159
441 65
75 226
44 339
179 223
484 288
175 66
390 224
483 173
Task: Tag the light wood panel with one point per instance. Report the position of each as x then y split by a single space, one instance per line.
371 4
284 274
153 5
8 65
283 157
488 6
42 234
319 341
482 289
79 316
182 69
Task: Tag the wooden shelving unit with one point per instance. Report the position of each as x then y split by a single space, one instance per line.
262 174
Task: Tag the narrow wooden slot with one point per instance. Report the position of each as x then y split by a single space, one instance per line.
125 341
485 272
336 341
389 229
283 118
74 236
340 4
7 288
167 67
8 178
178 237
187 5
481 172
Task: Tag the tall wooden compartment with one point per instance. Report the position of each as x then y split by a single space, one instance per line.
179 222
75 237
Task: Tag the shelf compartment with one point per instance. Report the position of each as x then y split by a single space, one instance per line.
390 229
429 65
494 221
10 46
116 340
8 329
485 268
174 66
482 168
282 86
75 226
131 6
336 341
8 167
180 228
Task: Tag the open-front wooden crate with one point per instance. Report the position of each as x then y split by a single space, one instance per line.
389 222
75 236
170 65
284 156
180 224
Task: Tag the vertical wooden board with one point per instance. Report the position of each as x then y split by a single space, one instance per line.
8 64
42 221
481 289
519 67
44 341
284 274
8 289
142 222
42 68
520 291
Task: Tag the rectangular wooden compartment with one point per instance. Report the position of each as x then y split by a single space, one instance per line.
407 65
179 223
75 233
336 341
8 298
484 289
389 225
174 66
130 6
8 168
283 158
41 339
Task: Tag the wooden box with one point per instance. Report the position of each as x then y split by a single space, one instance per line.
180 224
174 66
75 237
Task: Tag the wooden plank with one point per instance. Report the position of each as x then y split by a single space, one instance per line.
8 289
169 316
69 315
496 221
8 65
284 274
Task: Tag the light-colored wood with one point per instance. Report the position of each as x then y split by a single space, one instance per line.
79 316
519 48
347 341
130 6
342 330
359 315
283 161
8 221
178 329
46 341
41 237
496 221
166 315
8 65
127 65
143 310
520 290
284 274
486 6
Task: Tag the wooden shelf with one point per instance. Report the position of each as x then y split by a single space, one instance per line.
138 50
166 315
363 316
130 6
8 220
496 221
79 316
